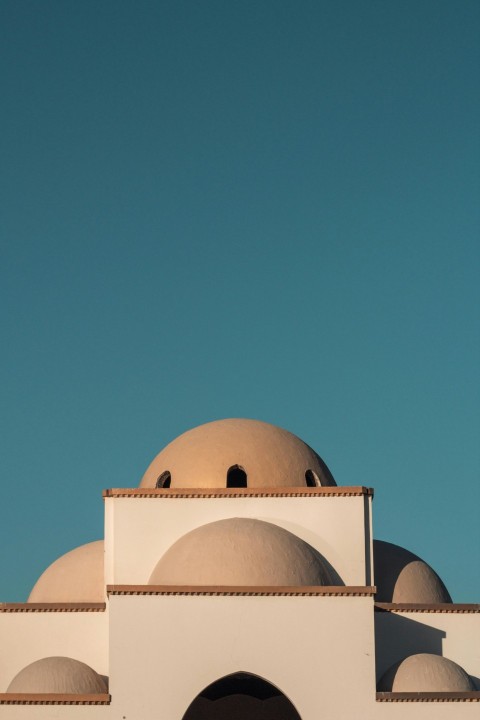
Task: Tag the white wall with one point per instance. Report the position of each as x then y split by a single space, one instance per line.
317 650
166 649
422 711
29 636
456 636
56 712
138 531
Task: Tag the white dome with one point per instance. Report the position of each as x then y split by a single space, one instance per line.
402 577
426 673
76 576
58 675
241 551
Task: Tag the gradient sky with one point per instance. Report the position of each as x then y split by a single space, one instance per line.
263 209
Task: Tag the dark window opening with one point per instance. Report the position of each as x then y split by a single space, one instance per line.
236 477
164 480
311 479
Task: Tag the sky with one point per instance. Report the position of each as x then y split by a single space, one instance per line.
262 209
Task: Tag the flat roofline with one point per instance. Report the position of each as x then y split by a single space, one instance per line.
52 607
172 493
428 607
54 699
473 696
271 590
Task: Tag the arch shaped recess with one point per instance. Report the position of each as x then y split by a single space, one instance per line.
241 694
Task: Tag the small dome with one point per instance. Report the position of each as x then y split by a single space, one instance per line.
58 675
241 551
76 576
402 577
266 455
426 673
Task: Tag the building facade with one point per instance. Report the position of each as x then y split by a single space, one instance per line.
239 581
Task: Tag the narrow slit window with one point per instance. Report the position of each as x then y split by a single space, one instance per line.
236 477
311 479
164 480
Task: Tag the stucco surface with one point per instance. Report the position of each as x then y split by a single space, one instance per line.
59 712
270 456
241 551
403 577
139 531
57 675
28 636
454 635
76 576
295 643
426 673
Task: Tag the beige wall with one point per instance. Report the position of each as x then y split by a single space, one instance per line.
139 530
166 649
456 636
56 712
421 711
29 636
317 650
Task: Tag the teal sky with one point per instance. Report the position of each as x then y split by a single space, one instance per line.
263 209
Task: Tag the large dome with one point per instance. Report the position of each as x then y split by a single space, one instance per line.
242 551
76 576
402 577
266 455
426 673
58 675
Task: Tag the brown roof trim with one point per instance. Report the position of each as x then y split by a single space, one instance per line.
54 699
172 493
473 696
428 608
52 607
344 590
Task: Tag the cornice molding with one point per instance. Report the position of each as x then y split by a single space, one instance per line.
473 696
271 590
175 493
51 607
428 608
54 699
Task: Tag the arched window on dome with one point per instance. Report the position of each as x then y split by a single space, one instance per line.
236 477
164 480
312 479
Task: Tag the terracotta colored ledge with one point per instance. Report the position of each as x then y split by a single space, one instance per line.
53 699
428 608
473 696
52 607
342 590
173 493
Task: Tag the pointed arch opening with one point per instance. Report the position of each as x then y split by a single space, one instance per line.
165 479
236 477
312 479
241 695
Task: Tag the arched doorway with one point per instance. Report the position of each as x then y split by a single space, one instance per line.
241 696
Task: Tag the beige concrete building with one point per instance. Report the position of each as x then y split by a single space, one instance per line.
239 581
